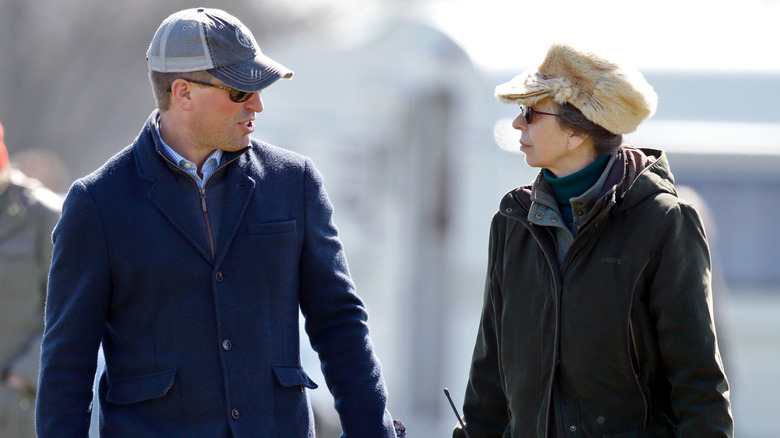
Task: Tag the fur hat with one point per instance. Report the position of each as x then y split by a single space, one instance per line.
616 98
3 151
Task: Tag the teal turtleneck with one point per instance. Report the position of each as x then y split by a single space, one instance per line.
575 185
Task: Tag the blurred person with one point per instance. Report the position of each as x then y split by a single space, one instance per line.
45 166
188 255
28 213
720 288
597 317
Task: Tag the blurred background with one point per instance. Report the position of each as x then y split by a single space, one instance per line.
393 99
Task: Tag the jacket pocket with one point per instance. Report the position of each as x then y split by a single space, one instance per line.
136 389
290 376
272 227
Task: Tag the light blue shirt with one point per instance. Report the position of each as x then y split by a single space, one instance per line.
211 164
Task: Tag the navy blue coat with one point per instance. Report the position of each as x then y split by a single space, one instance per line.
199 345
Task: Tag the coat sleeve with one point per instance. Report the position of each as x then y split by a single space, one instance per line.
76 304
45 212
484 405
336 322
680 302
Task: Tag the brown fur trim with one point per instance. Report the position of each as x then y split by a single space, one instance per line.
614 97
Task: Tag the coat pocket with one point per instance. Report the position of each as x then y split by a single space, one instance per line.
290 376
291 405
272 227
136 389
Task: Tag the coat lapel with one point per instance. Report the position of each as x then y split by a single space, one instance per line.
238 192
167 195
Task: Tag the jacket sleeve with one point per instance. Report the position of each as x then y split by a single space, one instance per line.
680 302
336 322
45 208
484 405
74 318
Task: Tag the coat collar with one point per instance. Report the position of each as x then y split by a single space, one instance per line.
165 192
150 155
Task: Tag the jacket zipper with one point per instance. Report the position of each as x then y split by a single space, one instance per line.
557 306
202 193
208 221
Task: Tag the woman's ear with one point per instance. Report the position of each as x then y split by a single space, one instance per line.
576 140
180 94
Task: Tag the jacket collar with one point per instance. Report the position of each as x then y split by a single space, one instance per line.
635 175
165 192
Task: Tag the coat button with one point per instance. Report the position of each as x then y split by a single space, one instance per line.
539 215
220 277
554 218
234 414
573 428
227 345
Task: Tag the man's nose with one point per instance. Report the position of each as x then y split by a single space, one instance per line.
255 103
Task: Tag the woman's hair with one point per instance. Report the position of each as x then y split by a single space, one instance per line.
603 141
161 84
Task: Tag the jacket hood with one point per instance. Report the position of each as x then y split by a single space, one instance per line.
636 175
646 173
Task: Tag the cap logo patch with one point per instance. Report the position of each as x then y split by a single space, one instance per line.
242 37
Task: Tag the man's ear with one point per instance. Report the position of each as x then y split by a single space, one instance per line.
181 94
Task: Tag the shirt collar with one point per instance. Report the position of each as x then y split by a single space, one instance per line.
213 160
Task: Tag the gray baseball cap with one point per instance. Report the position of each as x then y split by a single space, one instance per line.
214 41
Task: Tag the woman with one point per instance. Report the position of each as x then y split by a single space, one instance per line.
597 316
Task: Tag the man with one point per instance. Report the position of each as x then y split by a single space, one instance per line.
28 213
188 254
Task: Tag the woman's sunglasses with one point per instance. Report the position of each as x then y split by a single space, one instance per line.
528 114
236 96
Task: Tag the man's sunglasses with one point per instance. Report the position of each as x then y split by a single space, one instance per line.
528 114
237 96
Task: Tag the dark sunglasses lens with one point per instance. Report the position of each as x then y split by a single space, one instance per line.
239 96
528 115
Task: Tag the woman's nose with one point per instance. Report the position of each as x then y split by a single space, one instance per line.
519 123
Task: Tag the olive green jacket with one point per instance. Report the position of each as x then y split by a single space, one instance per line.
28 213
618 340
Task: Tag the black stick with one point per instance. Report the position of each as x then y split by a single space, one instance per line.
454 409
